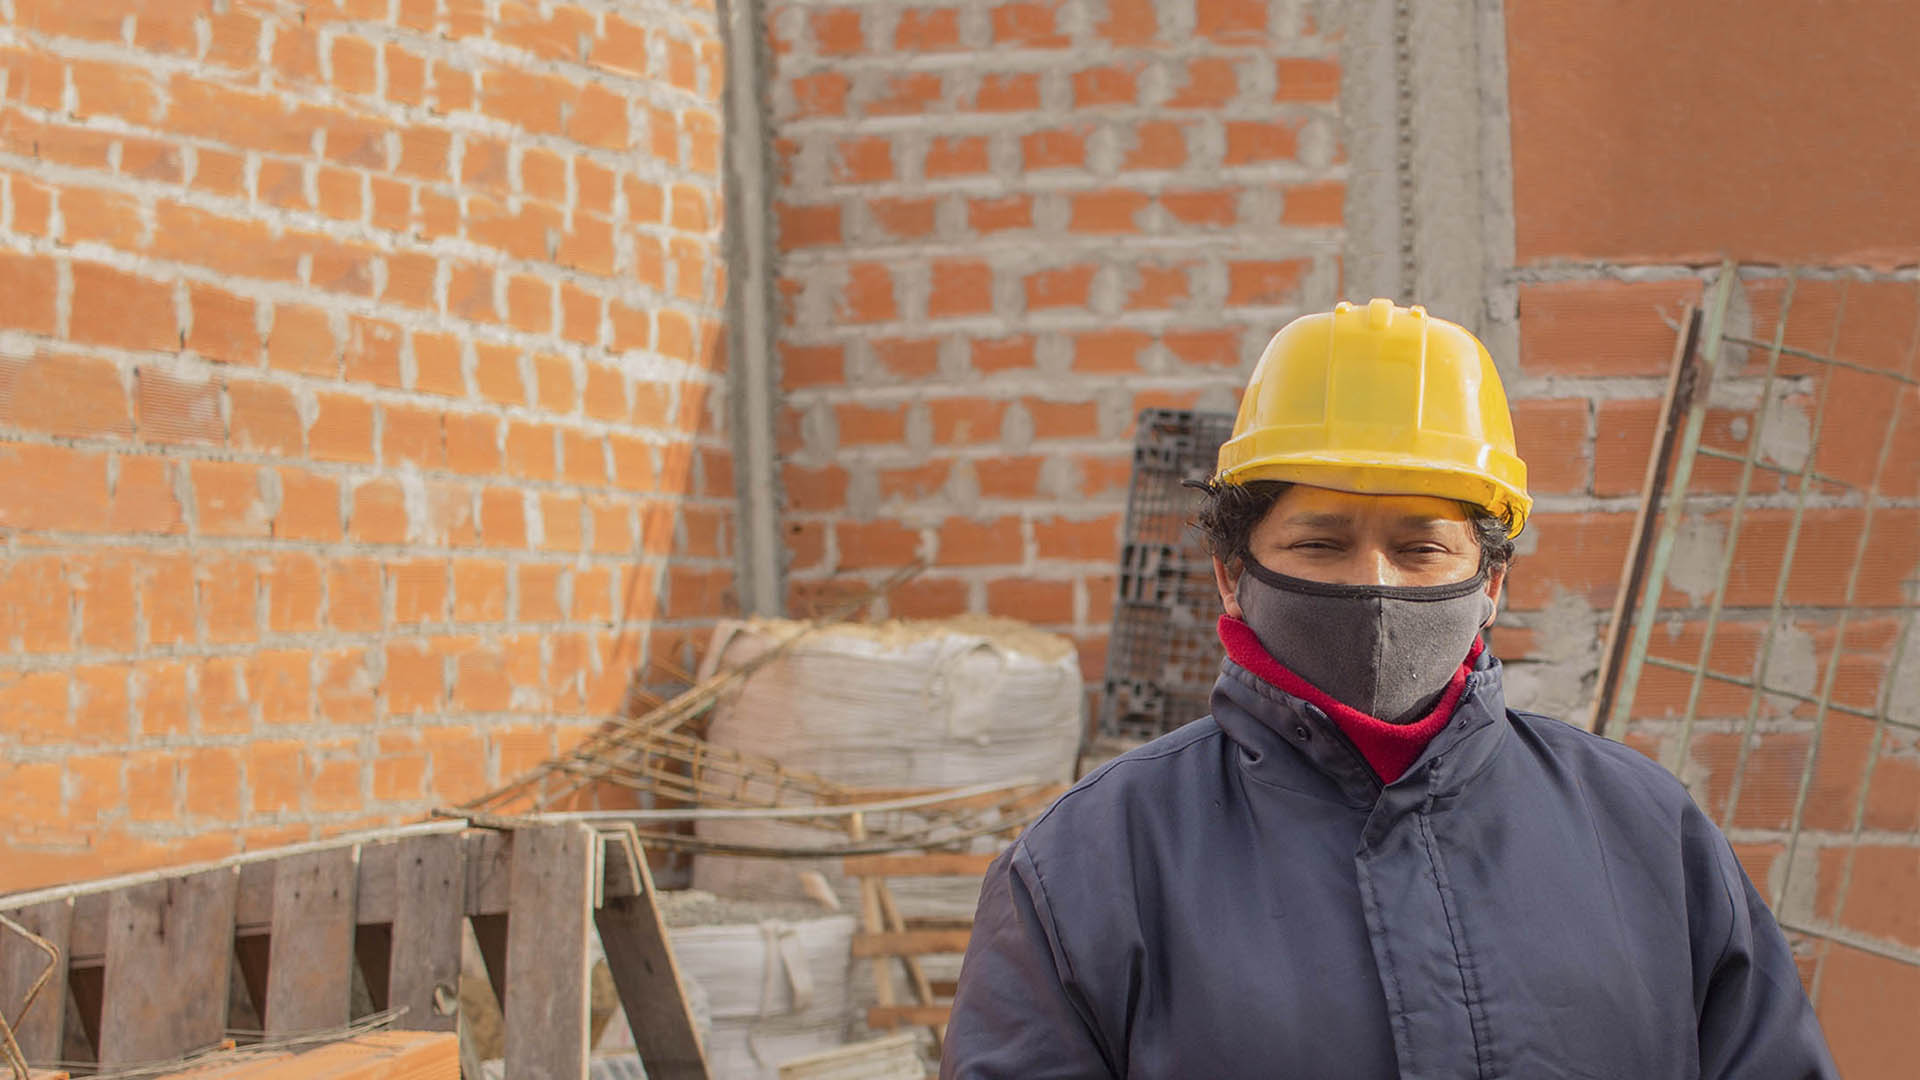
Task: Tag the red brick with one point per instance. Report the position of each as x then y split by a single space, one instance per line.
1109 351
1211 83
378 514
864 160
1044 602
1252 142
111 307
223 327
1238 22
990 355
35 613
926 30
143 497
1063 419
503 518
303 340
1157 144
875 544
1062 538
29 282
103 217
230 499
908 358
904 219
1317 204
342 428
820 94
52 487
1009 477
530 451
1008 92
836 31
869 294
33 707
928 598
1000 214
1265 283
1576 553
167 600
103 586
1027 24
178 410
1552 436
1600 327
1110 85
908 94
1106 211
1054 149
966 542
947 156
1299 78
419 590
229 599
72 396
1060 287
309 507
961 287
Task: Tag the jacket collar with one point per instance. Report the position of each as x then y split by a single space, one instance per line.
1281 733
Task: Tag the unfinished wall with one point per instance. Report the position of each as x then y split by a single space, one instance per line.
360 378
1004 229
1649 140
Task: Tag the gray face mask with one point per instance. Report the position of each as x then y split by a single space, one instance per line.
1388 651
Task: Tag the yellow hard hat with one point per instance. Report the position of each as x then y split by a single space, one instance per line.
1382 400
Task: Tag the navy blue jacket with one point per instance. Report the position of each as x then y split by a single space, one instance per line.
1242 898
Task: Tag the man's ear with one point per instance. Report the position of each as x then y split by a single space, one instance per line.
1226 580
1496 580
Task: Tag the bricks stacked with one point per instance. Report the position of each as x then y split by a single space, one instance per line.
1004 229
361 373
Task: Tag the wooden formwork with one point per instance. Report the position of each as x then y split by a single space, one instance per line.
145 959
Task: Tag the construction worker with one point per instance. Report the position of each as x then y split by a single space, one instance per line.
1363 864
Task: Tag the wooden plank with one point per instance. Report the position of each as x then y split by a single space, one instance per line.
90 930
916 975
22 963
885 1017
871 919
489 871
647 979
169 951
937 864
910 942
548 1001
310 971
429 903
374 885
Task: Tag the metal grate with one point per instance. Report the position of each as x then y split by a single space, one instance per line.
1163 655
1772 663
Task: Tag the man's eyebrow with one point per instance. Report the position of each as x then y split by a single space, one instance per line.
1321 519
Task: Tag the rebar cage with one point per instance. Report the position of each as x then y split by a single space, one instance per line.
1771 664
1164 654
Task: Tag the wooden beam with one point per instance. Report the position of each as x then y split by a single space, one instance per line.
22 963
648 981
883 1017
430 901
937 864
310 969
169 952
911 942
548 1005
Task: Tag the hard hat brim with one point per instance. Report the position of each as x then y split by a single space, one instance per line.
1375 473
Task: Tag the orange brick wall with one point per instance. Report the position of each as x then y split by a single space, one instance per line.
1005 228
361 373
1728 139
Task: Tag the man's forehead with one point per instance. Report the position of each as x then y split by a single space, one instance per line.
1307 506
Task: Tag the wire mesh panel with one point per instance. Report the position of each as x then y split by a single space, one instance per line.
1773 661
1163 655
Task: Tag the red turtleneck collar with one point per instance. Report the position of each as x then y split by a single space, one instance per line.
1388 748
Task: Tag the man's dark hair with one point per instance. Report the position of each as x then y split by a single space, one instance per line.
1229 512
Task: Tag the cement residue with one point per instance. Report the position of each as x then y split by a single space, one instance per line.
1008 635
1694 567
694 907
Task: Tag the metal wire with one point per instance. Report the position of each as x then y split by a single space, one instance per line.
1802 480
